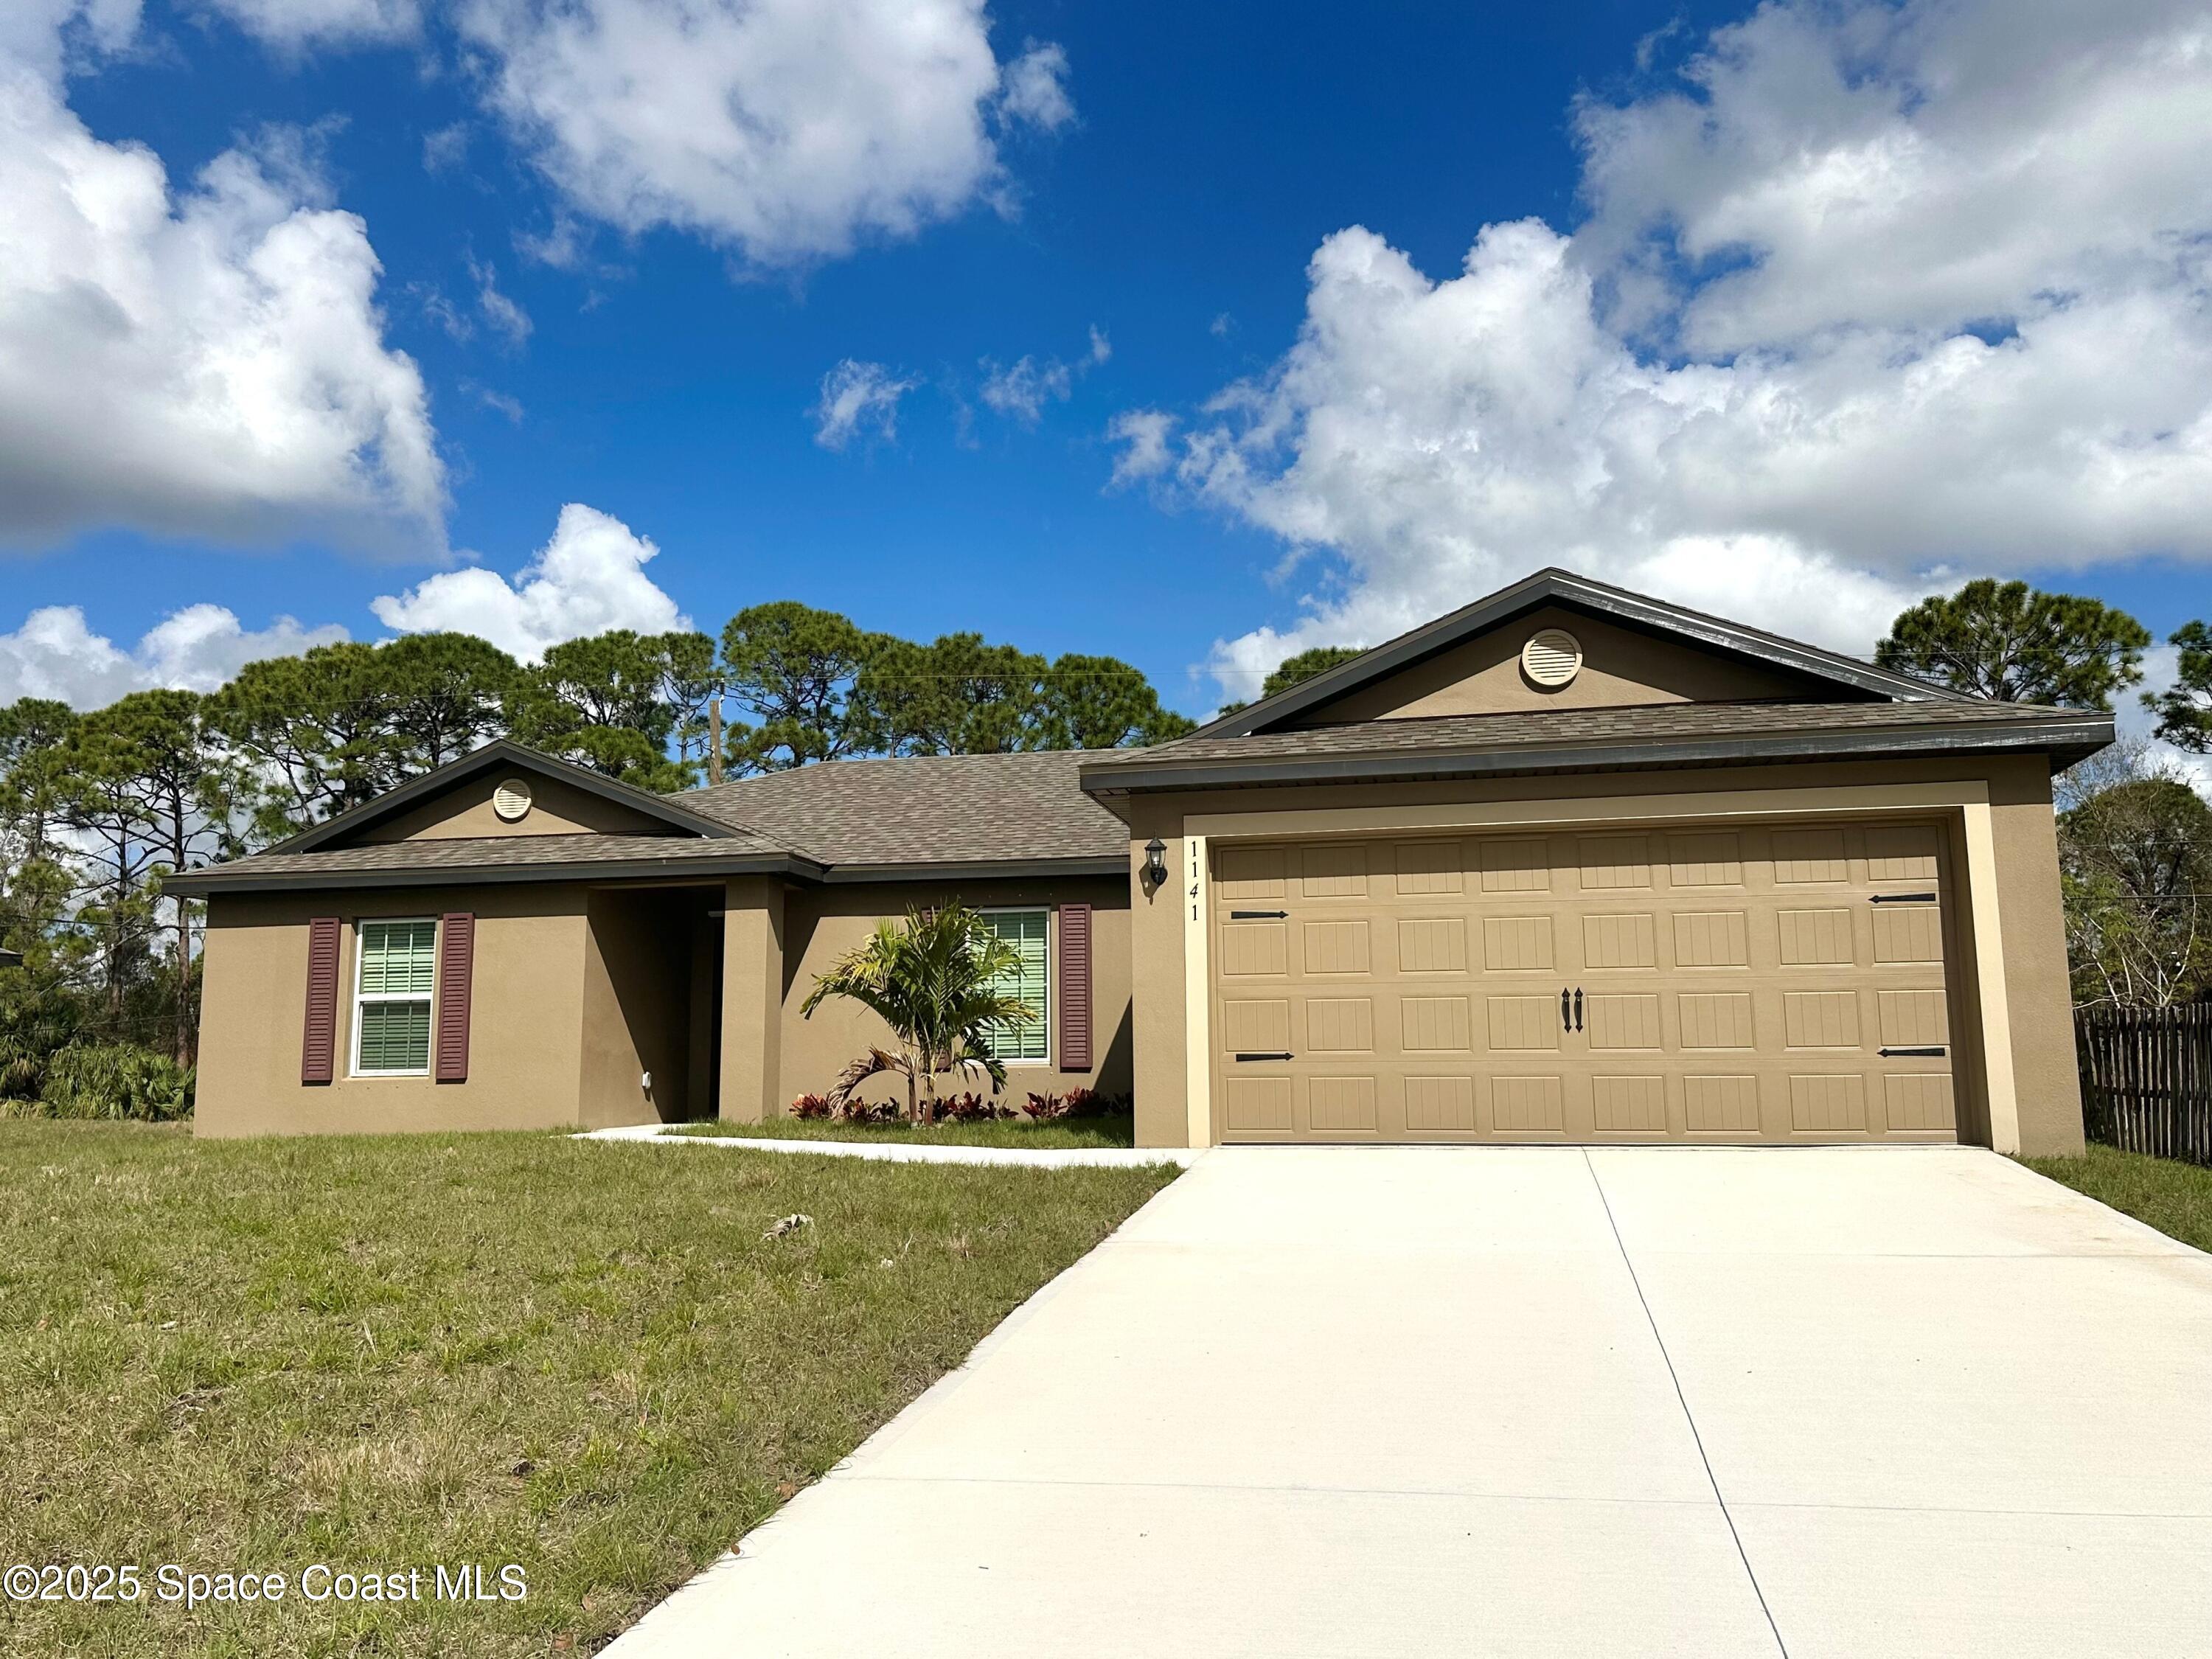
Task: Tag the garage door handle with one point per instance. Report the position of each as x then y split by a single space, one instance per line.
1579 1007
1934 1051
1285 1054
1566 1011
1902 898
1257 916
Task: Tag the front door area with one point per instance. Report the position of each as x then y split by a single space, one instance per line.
1735 982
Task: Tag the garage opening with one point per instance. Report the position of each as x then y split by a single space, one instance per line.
1778 982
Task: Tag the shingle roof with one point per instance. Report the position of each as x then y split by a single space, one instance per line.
1549 737
925 809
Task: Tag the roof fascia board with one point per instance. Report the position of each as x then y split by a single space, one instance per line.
502 752
2088 736
1564 586
242 877
976 870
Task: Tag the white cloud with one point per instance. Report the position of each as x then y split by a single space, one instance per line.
1888 295
56 654
445 148
784 130
221 347
292 26
502 313
1033 88
589 578
1022 390
857 395
1144 434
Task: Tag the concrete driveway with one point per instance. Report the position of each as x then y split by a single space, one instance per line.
1853 1402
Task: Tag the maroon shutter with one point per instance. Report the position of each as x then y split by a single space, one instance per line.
318 1043
1074 987
457 956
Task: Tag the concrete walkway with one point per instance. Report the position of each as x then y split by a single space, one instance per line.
1831 1403
890 1152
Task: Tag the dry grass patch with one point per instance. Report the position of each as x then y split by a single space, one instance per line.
397 1351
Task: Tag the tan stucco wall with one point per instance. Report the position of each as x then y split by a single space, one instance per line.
2046 1087
1620 666
525 1032
465 813
819 925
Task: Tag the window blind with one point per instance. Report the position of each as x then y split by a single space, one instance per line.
398 966
1027 931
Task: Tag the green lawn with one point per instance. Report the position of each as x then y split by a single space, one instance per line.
394 1351
2174 1198
1058 1136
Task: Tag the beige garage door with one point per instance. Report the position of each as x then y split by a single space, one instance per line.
1769 983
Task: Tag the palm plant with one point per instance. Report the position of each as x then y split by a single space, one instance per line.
931 979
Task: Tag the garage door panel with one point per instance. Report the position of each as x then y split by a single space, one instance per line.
1523 865
1813 938
1714 1020
1912 1018
1827 1103
1333 870
1517 944
1901 852
1720 1104
1340 1025
1337 947
1426 867
1255 950
1712 939
1809 857
1255 1025
1615 863
1440 1105
1627 1104
1522 1025
1435 1024
1433 945
1737 982
1259 1105
1623 939
1908 933
1251 872
1704 859
1528 1104
1920 1103
1623 1019
1820 1019
1341 1105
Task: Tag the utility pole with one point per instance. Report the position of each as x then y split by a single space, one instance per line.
714 739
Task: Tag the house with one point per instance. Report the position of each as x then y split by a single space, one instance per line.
1569 864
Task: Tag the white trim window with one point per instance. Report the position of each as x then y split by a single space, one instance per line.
1029 982
395 971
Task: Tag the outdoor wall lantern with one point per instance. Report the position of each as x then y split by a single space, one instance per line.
1155 861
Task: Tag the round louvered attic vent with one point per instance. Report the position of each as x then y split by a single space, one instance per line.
512 798
1551 658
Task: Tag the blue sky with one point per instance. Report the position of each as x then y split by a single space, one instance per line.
1414 451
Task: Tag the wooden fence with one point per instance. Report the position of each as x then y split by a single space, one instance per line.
2147 1079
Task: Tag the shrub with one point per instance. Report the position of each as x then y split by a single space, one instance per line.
810 1106
971 1108
1044 1108
115 1080
853 1111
